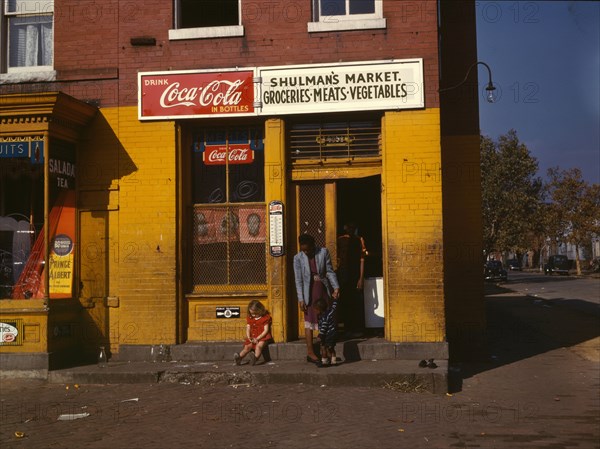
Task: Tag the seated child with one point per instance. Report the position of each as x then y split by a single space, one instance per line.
327 331
258 332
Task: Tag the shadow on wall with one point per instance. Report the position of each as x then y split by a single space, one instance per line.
102 165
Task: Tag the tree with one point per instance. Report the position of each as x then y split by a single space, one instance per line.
575 208
511 194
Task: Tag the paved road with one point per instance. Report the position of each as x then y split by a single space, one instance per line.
536 391
579 292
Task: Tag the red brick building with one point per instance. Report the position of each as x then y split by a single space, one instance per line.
316 112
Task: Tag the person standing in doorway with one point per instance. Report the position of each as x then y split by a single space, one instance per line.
315 279
351 253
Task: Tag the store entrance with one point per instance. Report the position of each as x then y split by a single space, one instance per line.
323 208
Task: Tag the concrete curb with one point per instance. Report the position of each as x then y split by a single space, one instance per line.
399 375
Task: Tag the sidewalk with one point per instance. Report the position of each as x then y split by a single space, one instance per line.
367 362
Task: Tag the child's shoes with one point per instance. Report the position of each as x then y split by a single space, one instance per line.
252 359
237 359
324 363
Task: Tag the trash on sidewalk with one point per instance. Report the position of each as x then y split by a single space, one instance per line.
239 385
19 434
131 400
72 416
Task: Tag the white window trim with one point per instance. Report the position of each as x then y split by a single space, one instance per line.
206 32
348 21
346 25
28 74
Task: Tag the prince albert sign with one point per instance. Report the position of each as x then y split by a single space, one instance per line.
365 85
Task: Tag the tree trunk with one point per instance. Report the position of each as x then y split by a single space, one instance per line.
577 261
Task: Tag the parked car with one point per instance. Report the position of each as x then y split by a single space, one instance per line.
513 264
494 271
557 264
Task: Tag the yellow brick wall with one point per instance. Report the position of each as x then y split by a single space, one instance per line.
129 170
412 221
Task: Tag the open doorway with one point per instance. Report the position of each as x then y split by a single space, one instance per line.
359 201
358 211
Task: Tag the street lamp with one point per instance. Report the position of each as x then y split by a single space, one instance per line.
489 88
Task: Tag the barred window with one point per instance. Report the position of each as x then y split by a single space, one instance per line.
229 208
334 141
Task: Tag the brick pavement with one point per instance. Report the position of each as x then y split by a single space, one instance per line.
535 392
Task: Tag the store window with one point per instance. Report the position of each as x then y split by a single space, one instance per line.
26 36
339 15
196 19
22 226
229 208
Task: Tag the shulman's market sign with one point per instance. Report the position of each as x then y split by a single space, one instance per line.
368 85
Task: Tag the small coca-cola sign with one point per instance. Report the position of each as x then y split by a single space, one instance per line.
173 94
235 154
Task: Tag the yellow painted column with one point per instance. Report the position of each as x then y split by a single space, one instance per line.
275 190
412 222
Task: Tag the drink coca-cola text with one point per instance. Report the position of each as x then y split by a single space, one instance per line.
237 155
216 93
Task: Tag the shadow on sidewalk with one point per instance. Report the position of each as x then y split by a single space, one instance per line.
520 327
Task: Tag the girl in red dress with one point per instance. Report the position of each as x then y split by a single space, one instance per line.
258 333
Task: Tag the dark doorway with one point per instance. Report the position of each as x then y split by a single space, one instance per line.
359 201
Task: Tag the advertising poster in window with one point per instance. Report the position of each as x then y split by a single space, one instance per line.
62 219
252 224
61 223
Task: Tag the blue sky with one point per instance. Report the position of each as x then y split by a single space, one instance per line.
545 61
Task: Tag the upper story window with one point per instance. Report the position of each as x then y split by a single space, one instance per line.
26 40
196 19
28 37
340 15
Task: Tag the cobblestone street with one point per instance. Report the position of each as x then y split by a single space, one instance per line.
537 391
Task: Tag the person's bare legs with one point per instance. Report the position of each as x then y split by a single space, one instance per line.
310 351
259 347
246 350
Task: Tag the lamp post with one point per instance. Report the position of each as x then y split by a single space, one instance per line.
489 88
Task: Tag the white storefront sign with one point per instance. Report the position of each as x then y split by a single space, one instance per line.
365 85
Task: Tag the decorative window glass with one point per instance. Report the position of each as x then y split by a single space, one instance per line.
229 208
338 15
196 19
27 35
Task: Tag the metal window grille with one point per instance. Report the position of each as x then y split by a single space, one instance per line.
312 211
229 246
334 141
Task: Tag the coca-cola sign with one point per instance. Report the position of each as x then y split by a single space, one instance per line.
235 154
180 94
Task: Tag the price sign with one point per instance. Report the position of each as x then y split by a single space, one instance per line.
276 247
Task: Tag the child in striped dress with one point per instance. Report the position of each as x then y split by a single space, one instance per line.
327 331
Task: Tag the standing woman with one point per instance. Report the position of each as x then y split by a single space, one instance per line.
315 279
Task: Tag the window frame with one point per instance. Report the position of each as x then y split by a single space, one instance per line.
229 205
208 32
25 73
347 22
